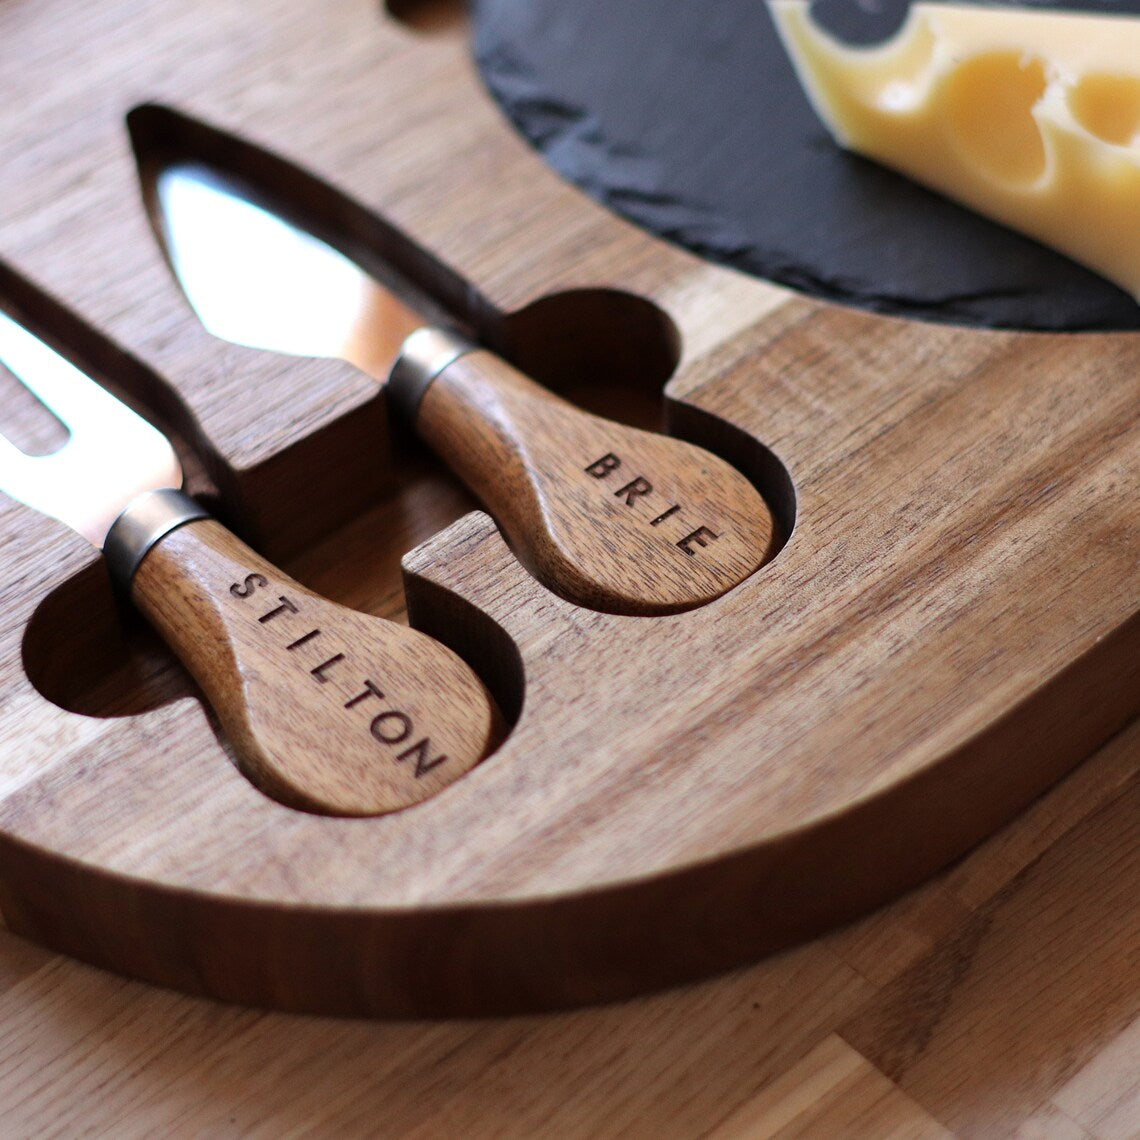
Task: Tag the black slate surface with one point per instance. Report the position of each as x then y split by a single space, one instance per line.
685 116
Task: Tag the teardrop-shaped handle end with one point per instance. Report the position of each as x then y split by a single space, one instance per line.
608 516
327 709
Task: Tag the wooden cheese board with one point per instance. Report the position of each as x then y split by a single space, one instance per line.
952 622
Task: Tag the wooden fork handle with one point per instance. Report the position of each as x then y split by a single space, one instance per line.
606 515
326 709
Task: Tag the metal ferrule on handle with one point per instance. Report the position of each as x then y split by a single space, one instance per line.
146 520
423 356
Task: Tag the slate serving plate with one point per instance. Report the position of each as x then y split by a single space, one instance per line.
688 119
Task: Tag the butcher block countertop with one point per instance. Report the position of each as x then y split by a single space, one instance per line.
1001 999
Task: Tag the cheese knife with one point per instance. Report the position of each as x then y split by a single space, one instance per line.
327 709
606 515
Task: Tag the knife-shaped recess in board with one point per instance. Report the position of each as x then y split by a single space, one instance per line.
609 516
327 709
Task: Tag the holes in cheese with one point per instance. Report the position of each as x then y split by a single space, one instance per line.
989 114
1108 106
1029 117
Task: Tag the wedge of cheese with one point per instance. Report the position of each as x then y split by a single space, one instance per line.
1029 117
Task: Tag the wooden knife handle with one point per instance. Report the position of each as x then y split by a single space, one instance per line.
327 709
608 516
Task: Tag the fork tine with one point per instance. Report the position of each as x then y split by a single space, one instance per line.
112 454
17 469
68 392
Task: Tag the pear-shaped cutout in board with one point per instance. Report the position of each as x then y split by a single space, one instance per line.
286 671
606 515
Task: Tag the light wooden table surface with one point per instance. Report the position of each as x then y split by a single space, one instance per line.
1001 999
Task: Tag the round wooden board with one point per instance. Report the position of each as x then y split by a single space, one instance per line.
951 626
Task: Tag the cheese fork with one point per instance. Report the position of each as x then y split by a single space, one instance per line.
327 709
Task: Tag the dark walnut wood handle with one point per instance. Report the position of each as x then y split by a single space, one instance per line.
608 516
327 709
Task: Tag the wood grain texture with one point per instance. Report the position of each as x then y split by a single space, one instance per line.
950 628
607 516
833 1091
327 709
756 1052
